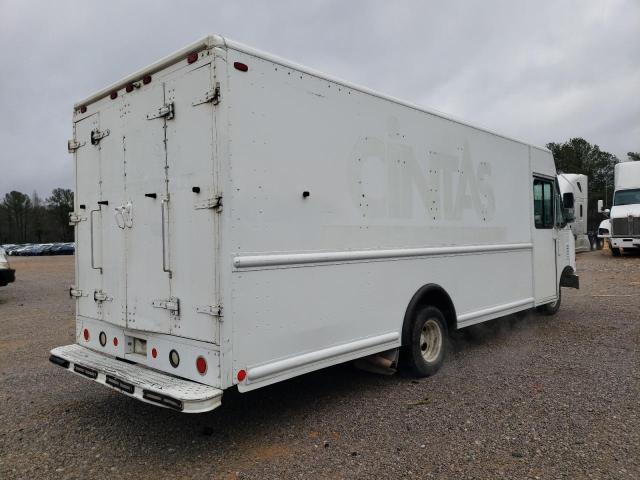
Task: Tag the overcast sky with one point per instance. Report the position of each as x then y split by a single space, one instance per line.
540 71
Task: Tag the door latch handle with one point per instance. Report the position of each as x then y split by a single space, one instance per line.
124 216
119 218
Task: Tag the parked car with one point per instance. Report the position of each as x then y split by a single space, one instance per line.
7 274
27 250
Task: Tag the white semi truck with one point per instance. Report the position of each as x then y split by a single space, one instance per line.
577 184
624 216
241 219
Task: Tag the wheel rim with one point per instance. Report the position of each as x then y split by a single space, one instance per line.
430 340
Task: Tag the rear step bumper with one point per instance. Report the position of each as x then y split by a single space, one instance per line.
147 385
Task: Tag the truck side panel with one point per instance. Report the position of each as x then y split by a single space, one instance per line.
391 183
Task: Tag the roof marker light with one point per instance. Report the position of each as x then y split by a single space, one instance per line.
83 109
114 95
146 79
243 67
192 57
129 88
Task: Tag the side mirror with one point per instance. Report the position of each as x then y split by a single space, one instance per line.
606 212
600 206
568 200
568 214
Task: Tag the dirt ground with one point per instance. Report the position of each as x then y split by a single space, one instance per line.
519 397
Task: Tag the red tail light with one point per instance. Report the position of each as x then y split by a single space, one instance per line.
115 341
201 365
85 333
154 352
242 374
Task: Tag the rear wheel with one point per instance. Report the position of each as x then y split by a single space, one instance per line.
615 252
426 346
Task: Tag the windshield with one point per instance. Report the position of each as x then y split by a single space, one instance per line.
627 197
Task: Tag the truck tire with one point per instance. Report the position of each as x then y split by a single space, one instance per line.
425 351
553 307
615 252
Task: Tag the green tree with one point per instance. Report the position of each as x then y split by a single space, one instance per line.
579 156
38 217
16 207
60 204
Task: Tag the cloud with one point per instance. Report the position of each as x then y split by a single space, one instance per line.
539 71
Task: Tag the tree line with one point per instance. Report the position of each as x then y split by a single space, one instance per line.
579 156
31 219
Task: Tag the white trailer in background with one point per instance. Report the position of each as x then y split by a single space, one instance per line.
241 220
624 215
577 184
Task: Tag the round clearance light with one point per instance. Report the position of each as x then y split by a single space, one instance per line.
174 358
146 79
201 365
114 95
103 338
154 352
242 374
83 109
115 341
192 57
85 333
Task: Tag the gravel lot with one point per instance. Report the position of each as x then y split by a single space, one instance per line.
526 397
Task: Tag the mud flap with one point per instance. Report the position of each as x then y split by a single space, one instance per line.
570 280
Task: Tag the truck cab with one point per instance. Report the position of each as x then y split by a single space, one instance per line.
577 184
625 210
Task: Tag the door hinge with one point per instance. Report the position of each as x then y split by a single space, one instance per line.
75 218
212 202
100 296
97 135
213 310
73 145
164 111
74 292
172 304
212 96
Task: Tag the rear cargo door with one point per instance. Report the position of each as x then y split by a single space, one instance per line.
142 213
194 201
88 257
111 298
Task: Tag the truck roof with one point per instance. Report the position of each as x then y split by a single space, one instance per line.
212 41
627 175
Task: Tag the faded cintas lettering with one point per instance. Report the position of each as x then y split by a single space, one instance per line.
385 177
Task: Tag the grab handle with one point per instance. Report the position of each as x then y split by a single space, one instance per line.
91 231
165 201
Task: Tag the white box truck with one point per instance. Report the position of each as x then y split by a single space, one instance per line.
624 215
241 220
577 184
